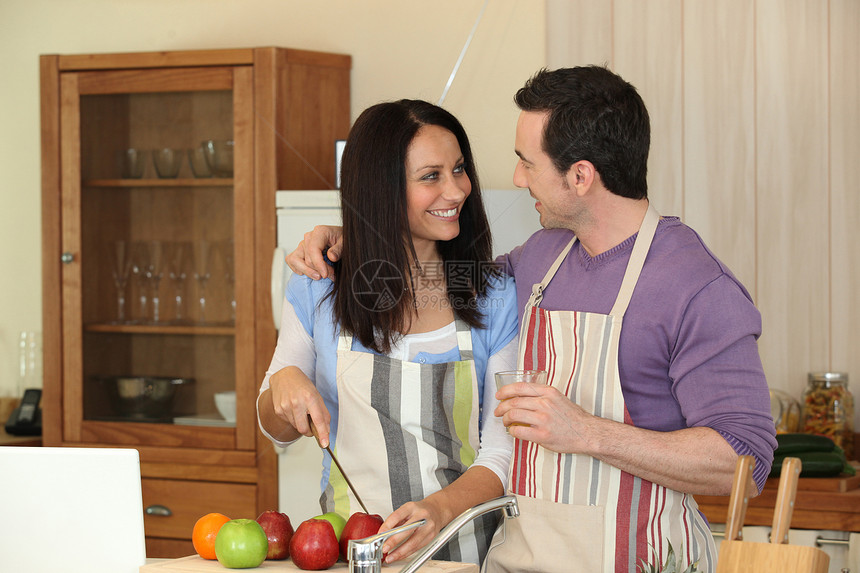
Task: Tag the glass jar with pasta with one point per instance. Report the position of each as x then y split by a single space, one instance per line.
828 409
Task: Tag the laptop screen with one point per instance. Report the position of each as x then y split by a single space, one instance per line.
71 510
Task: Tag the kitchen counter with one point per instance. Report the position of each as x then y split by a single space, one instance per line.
194 564
10 440
821 503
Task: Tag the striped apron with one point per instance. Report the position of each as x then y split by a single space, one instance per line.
405 431
578 514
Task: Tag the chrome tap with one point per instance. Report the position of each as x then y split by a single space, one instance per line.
365 555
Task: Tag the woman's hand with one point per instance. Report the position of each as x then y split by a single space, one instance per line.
477 485
294 397
405 544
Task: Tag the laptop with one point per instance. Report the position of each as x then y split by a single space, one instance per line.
75 510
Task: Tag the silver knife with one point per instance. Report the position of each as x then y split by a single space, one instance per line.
337 463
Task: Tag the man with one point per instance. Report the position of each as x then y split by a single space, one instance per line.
634 420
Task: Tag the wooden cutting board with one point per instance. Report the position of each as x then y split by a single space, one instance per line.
842 483
196 564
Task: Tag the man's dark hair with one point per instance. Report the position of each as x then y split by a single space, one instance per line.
594 115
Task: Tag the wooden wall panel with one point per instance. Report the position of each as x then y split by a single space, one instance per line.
647 53
845 193
791 188
719 139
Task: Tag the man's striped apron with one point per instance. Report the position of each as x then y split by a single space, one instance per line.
579 514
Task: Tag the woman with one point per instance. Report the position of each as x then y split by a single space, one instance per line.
393 359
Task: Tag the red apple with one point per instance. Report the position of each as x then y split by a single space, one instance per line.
358 526
314 545
278 532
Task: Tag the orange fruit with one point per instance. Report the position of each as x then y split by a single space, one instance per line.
204 533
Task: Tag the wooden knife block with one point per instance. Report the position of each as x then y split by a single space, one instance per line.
737 556
745 556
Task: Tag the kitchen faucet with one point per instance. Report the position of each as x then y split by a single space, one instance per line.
365 555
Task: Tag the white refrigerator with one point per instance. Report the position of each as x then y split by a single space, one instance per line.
512 219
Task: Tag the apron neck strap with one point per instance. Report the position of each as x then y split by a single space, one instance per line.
537 289
631 275
637 259
464 339
344 341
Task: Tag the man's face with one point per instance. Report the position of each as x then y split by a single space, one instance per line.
556 203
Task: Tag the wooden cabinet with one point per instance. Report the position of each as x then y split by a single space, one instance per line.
168 277
173 506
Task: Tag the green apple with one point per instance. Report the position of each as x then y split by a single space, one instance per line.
337 521
241 544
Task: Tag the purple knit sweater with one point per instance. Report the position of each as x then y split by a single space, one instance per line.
688 353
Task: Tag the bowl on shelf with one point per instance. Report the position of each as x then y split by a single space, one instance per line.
197 160
219 156
226 404
133 163
143 397
167 162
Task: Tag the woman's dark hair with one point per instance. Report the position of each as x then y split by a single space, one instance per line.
372 295
594 115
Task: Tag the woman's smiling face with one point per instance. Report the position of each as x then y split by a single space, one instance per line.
436 186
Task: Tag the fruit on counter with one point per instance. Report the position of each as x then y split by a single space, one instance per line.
241 544
205 530
314 545
337 521
279 531
358 526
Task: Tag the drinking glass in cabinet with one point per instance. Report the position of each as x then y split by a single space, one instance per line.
197 160
202 273
154 274
178 263
225 257
167 162
139 265
219 155
120 259
133 163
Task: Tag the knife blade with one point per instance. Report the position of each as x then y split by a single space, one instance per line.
337 463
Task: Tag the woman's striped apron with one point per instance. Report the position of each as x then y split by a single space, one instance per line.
579 514
405 431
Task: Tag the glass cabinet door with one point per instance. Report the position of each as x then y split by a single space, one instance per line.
157 165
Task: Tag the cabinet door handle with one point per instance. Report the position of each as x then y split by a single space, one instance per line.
67 258
158 511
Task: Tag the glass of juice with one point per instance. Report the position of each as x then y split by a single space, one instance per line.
514 376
